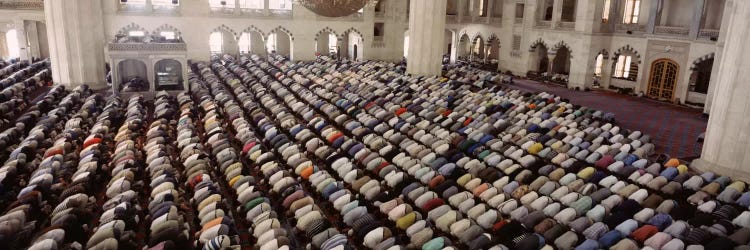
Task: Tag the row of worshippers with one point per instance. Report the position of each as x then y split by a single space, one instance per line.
625 150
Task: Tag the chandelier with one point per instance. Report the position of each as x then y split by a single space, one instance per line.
336 8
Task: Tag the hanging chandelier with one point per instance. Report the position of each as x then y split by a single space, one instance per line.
336 8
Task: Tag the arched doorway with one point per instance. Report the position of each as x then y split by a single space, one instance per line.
133 76
477 52
493 50
448 50
279 42
540 62
168 75
464 47
326 44
223 42
701 76
251 43
663 79
561 63
351 45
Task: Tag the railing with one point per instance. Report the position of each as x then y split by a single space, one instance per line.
479 19
624 27
280 13
497 20
165 9
377 42
673 31
379 14
22 4
451 19
222 10
353 17
132 8
253 12
147 47
518 20
515 53
708 33
568 25
544 24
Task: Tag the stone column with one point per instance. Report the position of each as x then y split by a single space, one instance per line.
426 25
654 15
695 25
76 34
557 7
725 149
23 48
551 58
606 79
32 36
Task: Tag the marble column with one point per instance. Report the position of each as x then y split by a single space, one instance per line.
695 25
557 8
426 26
606 79
654 15
32 35
551 58
23 48
725 149
76 34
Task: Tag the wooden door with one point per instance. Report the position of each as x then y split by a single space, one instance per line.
663 79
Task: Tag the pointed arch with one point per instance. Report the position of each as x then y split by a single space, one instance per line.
284 30
476 37
167 27
602 52
536 43
353 30
131 27
559 46
224 28
327 30
252 28
625 49
709 56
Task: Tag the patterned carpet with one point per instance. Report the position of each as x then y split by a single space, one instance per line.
674 128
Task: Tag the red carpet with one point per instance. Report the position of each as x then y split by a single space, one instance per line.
674 128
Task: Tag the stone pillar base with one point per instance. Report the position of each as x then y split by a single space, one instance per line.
703 166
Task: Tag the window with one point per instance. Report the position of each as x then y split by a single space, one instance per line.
378 31
165 2
244 43
625 68
280 4
632 10
169 35
482 8
605 11
519 10
221 3
11 38
215 43
516 42
251 4
136 33
599 63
